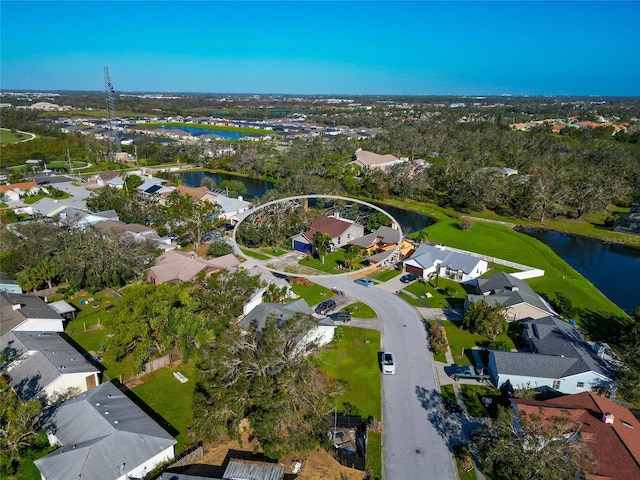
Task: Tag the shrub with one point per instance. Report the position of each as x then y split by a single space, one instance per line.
437 338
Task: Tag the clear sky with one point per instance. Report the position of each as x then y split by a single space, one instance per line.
430 48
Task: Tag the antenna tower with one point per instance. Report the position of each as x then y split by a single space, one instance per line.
114 144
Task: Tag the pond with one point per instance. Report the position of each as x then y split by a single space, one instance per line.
255 188
196 132
613 269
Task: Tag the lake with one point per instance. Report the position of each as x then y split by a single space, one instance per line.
613 269
196 132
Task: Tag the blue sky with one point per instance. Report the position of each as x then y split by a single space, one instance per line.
430 48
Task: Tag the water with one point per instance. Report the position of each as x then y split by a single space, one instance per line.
255 188
204 131
613 269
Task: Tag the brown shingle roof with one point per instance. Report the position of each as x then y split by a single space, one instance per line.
616 447
23 186
334 227
195 193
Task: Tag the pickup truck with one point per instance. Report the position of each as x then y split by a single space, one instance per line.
465 371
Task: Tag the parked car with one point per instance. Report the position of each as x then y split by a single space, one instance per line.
388 363
341 317
365 282
465 371
409 277
325 307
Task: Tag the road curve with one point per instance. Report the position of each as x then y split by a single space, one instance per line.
414 442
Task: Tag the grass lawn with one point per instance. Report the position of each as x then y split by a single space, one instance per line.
360 310
461 341
411 300
438 298
447 391
354 359
472 396
273 251
171 399
332 262
464 472
384 274
7 136
254 254
313 294
31 199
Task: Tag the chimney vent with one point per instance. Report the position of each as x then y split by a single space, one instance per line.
608 418
16 306
514 288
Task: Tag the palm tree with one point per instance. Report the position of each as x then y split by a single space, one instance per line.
321 244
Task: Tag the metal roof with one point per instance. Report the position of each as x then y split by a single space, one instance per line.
251 470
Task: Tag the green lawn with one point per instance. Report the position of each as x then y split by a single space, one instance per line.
7 136
472 396
332 262
171 399
461 341
31 199
411 300
464 473
273 251
354 359
447 391
384 274
360 310
438 298
254 254
313 294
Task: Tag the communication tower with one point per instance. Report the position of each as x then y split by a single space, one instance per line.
114 143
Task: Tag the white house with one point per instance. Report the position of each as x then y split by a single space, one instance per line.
44 365
103 435
24 312
447 263
321 334
560 359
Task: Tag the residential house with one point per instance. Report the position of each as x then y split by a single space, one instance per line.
446 263
103 435
321 334
376 161
24 312
229 207
340 231
515 295
559 358
44 365
175 267
630 223
103 178
15 191
379 245
138 232
609 430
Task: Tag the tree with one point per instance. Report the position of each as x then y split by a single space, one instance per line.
352 256
485 319
18 427
234 187
437 337
535 448
218 248
264 376
321 242
189 219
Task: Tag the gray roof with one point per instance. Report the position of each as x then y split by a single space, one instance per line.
100 430
228 204
386 236
257 317
508 291
61 307
427 255
43 358
552 336
250 470
30 307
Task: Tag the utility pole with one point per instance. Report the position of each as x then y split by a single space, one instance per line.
114 144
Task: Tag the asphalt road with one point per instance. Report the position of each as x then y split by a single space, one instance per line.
415 432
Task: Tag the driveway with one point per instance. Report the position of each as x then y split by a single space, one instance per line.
416 433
